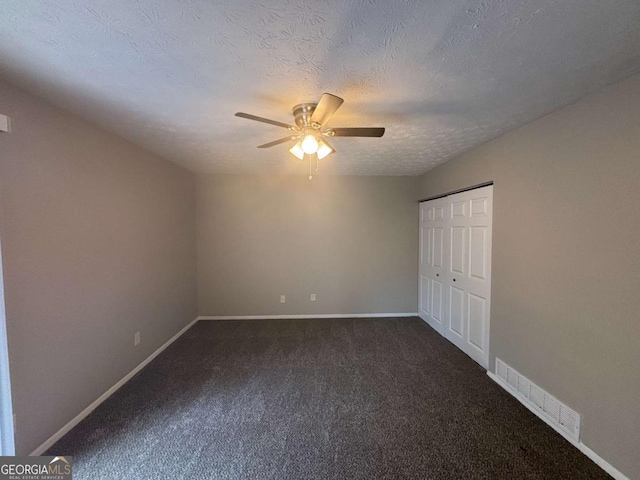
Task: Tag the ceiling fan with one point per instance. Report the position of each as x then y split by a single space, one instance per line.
310 129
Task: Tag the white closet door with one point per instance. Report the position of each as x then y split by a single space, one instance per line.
468 277
432 269
455 269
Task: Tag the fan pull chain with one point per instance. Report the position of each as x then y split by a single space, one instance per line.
310 176
317 165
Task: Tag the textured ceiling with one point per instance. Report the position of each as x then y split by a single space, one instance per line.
441 75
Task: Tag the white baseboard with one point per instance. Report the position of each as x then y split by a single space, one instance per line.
597 459
81 416
322 315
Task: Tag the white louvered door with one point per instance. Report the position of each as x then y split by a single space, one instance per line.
455 269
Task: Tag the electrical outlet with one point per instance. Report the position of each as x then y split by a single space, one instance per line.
313 297
282 298
136 339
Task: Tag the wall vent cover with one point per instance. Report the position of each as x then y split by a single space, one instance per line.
565 419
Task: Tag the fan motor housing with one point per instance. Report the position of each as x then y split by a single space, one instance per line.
302 114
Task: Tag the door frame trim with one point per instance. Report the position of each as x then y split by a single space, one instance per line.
7 438
435 197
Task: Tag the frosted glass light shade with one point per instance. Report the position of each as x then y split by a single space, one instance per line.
324 150
297 151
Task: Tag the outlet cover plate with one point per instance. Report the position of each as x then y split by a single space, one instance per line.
5 123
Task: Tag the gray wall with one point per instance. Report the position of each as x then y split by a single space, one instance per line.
350 240
566 259
98 239
98 242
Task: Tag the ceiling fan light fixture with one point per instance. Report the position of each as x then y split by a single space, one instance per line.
309 144
324 150
297 151
310 131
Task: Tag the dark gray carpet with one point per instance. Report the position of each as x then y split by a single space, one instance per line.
316 399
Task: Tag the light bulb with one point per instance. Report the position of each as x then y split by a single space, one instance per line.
310 145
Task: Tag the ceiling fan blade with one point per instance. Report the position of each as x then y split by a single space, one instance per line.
358 132
263 120
277 142
327 106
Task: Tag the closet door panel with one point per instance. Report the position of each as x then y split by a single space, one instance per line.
458 250
456 312
433 256
478 252
425 296
436 301
468 272
438 247
477 322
